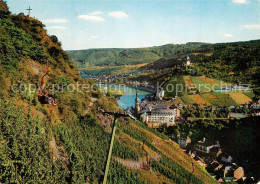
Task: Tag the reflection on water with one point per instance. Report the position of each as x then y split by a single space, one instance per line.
128 99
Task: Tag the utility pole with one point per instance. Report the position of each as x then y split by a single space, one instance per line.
29 10
116 116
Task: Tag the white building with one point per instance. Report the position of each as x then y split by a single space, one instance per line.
159 116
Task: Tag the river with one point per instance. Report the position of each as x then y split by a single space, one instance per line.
128 98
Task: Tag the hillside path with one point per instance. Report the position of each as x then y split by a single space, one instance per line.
92 101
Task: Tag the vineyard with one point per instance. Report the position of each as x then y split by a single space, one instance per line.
172 163
200 100
205 95
239 97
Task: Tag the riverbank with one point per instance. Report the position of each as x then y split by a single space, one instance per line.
143 88
146 89
127 99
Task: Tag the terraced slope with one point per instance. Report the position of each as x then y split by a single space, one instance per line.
200 90
167 158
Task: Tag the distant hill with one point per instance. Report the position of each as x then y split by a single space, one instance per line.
131 56
234 62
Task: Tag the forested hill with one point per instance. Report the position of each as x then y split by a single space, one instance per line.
237 62
112 57
117 57
68 143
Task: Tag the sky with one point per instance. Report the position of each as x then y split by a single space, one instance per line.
84 24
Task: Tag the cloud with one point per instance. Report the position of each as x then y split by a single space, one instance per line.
56 27
55 21
93 17
228 35
118 14
94 36
240 1
252 26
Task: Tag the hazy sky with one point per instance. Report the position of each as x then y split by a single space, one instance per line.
83 24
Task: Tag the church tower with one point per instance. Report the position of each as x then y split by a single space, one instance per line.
137 103
188 61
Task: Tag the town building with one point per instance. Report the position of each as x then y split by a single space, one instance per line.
183 141
239 173
236 115
177 113
159 116
205 146
225 158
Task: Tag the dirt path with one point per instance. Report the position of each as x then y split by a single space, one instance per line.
130 164
92 101
58 152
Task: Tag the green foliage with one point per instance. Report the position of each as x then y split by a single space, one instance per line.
25 156
122 151
119 174
112 57
87 145
176 173
16 44
242 58
187 99
250 94
222 99
175 86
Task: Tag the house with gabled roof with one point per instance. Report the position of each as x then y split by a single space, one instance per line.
205 145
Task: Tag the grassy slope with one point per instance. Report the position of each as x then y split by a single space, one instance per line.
176 86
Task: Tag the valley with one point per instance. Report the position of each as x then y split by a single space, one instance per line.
205 103
164 112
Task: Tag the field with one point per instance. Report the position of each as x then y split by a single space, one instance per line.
239 97
250 94
187 99
205 85
188 82
218 99
200 100
205 95
178 101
